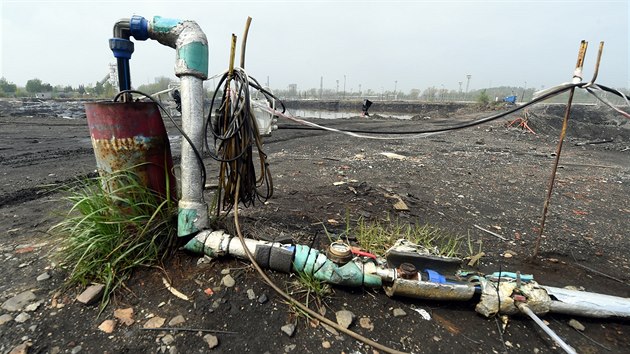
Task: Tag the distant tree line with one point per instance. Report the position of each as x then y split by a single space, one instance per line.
104 89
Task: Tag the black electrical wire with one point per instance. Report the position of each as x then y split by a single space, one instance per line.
194 148
454 127
614 92
235 133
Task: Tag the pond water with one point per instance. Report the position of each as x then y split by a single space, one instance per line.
303 113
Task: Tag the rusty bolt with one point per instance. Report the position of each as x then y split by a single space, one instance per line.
407 271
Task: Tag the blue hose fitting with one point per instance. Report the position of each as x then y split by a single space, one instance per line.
121 47
139 28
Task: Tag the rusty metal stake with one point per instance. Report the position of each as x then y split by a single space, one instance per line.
577 78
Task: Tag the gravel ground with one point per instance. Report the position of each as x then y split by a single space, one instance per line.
491 176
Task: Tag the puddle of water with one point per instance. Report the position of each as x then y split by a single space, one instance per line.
304 113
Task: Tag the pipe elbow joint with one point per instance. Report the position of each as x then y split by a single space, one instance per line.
186 37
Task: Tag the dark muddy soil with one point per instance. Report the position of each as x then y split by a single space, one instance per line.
492 176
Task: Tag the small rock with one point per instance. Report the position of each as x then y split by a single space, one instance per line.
366 322
507 255
32 328
107 326
212 341
20 349
22 317
92 294
43 276
288 329
155 322
204 260
5 318
125 315
577 325
263 298
225 271
228 281
176 321
326 344
398 312
251 294
76 349
55 350
344 318
289 348
172 350
168 339
436 338
34 306
17 302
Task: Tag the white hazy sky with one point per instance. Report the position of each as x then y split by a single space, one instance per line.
373 43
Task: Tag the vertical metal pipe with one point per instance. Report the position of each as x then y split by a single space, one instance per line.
577 77
193 211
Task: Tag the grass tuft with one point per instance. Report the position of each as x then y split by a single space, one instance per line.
115 225
378 236
308 290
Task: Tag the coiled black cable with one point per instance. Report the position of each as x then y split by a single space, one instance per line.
235 132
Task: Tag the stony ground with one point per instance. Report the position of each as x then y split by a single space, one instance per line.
489 176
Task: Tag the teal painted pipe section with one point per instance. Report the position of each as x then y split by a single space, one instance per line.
197 246
186 222
163 24
311 261
195 55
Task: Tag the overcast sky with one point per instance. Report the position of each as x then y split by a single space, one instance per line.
373 43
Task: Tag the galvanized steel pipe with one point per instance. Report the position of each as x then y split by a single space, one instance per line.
191 66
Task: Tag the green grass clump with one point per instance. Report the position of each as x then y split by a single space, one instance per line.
308 290
378 236
115 225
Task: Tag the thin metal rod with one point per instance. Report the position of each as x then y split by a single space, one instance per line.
526 310
599 59
567 112
244 43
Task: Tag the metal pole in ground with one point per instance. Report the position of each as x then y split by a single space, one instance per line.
577 78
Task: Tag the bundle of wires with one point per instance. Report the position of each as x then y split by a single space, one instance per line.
235 133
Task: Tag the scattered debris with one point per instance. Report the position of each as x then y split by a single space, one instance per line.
19 301
490 232
92 294
425 315
155 322
288 329
398 312
5 318
263 299
43 276
174 291
211 340
176 321
168 339
366 322
228 281
125 316
394 156
344 318
107 326
577 325
21 349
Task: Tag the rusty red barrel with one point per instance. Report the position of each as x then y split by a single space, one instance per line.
131 135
